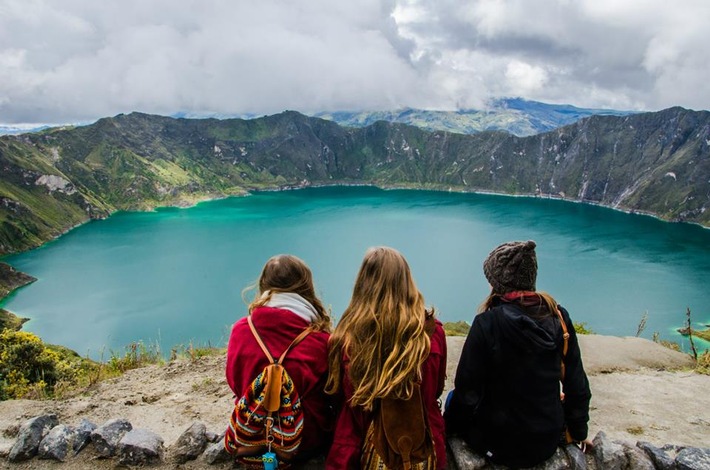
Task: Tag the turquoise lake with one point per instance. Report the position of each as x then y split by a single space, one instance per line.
176 276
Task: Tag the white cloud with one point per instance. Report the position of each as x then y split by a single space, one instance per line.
527 78
80 59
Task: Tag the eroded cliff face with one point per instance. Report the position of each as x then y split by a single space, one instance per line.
654 162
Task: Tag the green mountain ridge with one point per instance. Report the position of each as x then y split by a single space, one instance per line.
656 163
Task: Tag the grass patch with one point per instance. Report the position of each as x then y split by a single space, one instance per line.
582 329
456 328
193 353
137 354
702 365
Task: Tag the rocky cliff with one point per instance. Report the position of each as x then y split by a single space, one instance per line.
52 180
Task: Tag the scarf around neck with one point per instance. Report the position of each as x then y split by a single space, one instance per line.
293 303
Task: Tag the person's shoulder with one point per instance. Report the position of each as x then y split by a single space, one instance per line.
486 320
319 336
438 338
438 328
240 324
487 315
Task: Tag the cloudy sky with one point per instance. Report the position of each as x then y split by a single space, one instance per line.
78 60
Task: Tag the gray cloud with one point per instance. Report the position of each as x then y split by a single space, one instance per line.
588 52
78 60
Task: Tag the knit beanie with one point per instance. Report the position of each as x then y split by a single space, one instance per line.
512 267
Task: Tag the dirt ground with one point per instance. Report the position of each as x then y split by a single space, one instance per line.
641 391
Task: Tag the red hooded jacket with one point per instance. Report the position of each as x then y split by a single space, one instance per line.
306 363
352 423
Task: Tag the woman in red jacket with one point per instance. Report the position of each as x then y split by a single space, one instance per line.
379 350
285 305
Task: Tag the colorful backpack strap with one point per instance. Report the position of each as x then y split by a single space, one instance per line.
296 340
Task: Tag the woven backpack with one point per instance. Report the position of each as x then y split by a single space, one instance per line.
266 424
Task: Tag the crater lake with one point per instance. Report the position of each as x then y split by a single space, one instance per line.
175 276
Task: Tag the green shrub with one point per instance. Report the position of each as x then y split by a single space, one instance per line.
582 329
27 364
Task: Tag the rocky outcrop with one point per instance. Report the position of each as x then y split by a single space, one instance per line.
11 279
142 447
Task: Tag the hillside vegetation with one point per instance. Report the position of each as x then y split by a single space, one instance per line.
52 180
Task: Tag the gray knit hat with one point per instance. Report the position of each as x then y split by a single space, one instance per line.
511 267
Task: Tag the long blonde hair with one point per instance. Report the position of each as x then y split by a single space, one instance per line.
381 332
288 273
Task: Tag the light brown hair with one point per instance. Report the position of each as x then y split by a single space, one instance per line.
288 273
381 332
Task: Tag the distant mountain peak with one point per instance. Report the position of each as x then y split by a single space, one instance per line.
517 116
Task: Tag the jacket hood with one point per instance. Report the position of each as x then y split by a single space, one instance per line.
528 333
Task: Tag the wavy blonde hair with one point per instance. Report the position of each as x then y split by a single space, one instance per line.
288 273
381 332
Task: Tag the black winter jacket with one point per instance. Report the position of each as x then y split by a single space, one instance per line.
506 402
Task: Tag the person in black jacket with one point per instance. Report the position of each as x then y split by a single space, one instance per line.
518 394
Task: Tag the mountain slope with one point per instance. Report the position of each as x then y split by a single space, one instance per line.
52 180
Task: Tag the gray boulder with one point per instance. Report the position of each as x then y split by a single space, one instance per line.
140 447
464 456
609 454
577 459
190 444
107 436
660 458
82 435
56 444
693 458
29 437
216 453
557 462
637 458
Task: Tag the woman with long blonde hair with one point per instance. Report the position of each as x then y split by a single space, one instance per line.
380 349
